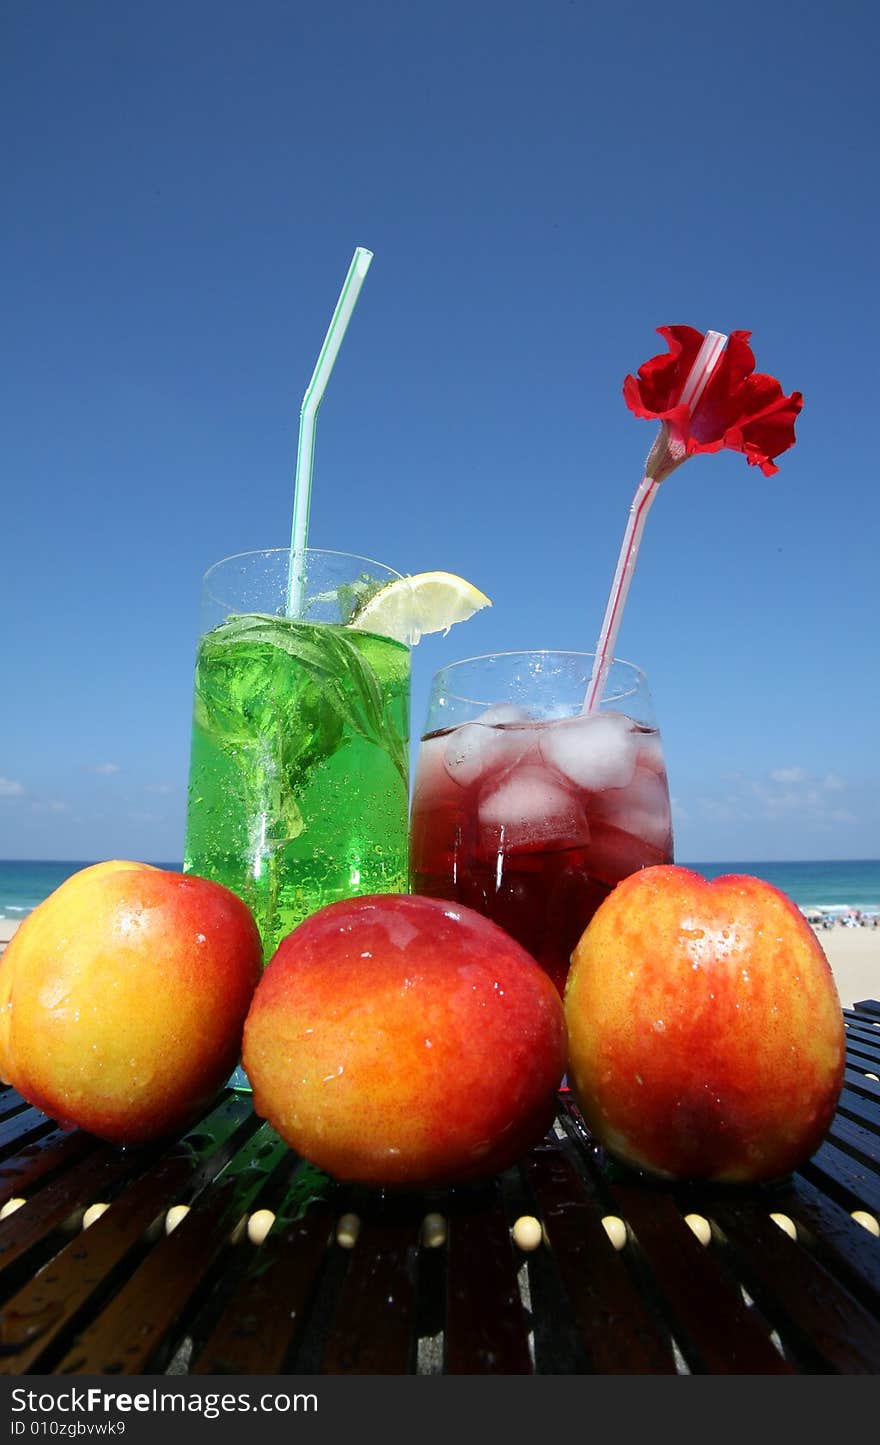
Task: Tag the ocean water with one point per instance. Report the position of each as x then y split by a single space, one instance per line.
24 883
854 883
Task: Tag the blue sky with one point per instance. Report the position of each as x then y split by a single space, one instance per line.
542 184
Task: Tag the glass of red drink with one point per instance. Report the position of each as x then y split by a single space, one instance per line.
526 808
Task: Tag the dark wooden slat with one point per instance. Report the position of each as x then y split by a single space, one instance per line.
859 1055
863 1033
485 1326
866 1060
856 1139
866 1065
127 1334
20 1127
36 1316
844 1177
804 1301
620 1334
859 1105
726 1337
83 1184
855 1075
10 1103
372 1328
264 1320
868 1006
50 1153
846 1247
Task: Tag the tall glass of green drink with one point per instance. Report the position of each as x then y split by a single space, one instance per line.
298 784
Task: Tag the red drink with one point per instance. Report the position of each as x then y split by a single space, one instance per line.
533 823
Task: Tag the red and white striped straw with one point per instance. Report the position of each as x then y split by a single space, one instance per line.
697 380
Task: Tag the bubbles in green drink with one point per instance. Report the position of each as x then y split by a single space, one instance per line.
298 776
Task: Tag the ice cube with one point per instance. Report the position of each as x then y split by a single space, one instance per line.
641 808
503 712
596 751
476 750
529 808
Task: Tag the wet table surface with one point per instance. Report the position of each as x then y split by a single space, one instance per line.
783 1279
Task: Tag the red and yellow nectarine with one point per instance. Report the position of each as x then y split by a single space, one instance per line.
706 1036
401 1040
123 997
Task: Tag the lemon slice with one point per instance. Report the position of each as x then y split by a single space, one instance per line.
412 606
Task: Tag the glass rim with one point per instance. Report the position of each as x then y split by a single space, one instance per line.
393 574
638 673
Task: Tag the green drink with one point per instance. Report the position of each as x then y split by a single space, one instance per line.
298 787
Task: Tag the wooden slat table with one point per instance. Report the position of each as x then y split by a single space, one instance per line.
125 1296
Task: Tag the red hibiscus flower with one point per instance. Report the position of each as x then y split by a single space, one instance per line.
740 408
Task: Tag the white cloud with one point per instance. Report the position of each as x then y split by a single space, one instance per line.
105 769
784 795
788 775
729 809
833 783
11 789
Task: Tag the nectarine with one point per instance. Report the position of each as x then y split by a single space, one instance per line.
706 1036
123 996
400 1040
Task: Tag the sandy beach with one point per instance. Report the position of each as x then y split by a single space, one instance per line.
854 955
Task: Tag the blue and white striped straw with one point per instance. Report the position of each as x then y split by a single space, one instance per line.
308 416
